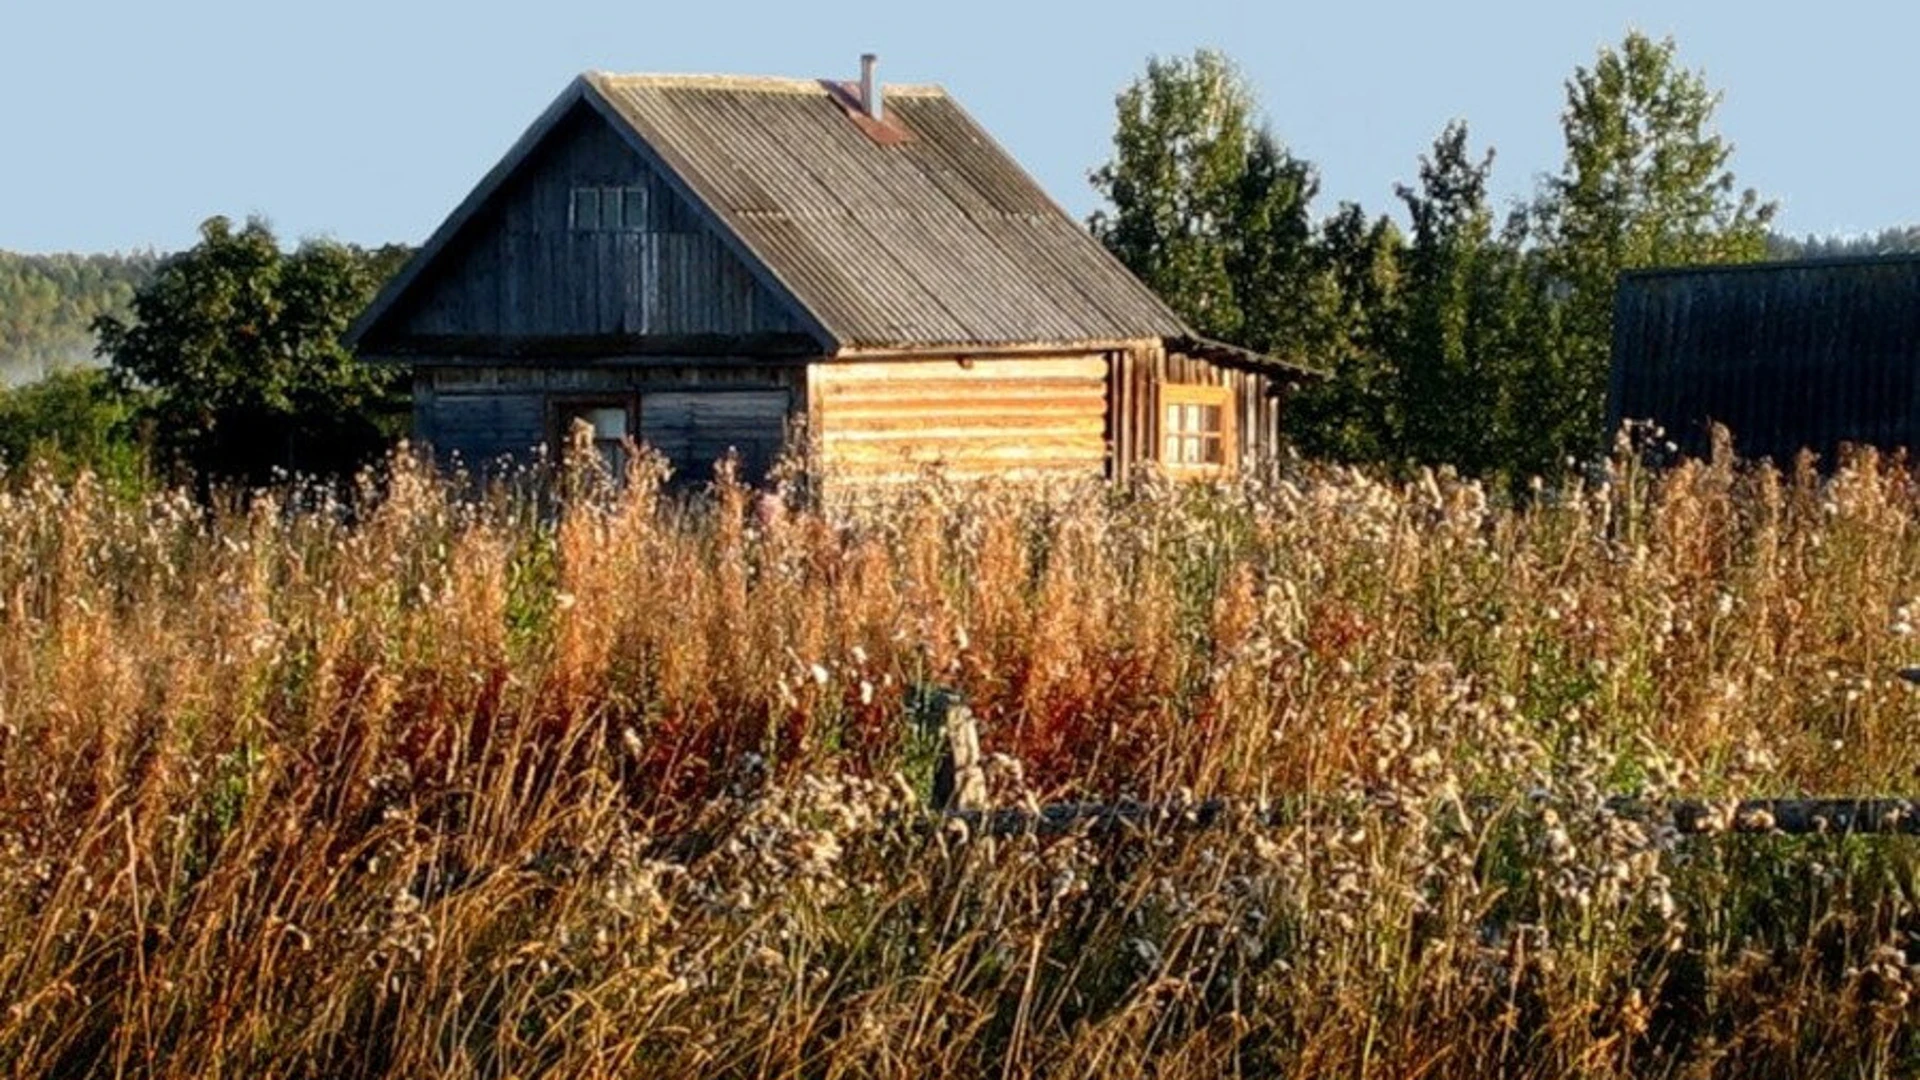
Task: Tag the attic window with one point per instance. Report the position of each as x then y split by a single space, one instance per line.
608 209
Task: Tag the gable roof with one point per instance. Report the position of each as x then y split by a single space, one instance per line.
937 238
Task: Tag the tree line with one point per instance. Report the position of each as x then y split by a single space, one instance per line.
1900 240
1465 336
1452 333
48 304
224 364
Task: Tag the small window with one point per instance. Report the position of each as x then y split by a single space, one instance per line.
1196 430
609 424
608 209
586 209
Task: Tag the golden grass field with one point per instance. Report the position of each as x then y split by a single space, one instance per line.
416 784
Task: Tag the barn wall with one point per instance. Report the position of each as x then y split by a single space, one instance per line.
693 412
1785 355
1135 415
519 270
1026 417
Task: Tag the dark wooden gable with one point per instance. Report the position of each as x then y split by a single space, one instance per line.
520 278
1788 356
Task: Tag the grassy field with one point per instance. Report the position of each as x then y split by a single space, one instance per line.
628 787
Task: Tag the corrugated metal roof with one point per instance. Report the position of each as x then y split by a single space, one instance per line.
937 239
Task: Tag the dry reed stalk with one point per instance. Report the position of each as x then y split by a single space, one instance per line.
433 784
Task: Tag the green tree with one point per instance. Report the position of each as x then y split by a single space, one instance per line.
71 420
1207 206
1448 383
1520 333
1272 261
236 347
1356 302
1645 183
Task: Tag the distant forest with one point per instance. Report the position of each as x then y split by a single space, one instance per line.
1899 241
48 304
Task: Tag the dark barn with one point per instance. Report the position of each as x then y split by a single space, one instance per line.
707 264
1787 355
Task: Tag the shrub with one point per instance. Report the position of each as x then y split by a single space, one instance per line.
72 420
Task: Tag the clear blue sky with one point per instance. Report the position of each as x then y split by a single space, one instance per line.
123 123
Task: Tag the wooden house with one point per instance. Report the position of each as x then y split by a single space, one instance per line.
1788 355
706 264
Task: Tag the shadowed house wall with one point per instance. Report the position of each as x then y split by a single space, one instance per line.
1789 356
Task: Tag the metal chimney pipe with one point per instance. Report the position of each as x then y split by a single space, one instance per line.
869 88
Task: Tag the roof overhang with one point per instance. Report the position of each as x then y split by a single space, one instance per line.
1233 356
591 347
981 349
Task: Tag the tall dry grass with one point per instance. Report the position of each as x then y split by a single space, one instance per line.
426 784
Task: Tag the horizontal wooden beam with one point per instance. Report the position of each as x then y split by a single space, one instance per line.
591 348
1692 817
1005 350
1224 355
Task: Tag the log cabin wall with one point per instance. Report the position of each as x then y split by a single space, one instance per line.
1028 417
698 261
494 417
1136 416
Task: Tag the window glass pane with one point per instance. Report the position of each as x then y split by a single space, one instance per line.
635 214
1194 425
609 422
586 208
610 209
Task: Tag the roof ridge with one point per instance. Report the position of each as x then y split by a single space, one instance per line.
763 83
939 239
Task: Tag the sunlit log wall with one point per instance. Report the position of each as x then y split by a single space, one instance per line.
1135 414
1015 417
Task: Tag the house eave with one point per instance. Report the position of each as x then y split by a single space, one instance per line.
593 348
1225 355
916 351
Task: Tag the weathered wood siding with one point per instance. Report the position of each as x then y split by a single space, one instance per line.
1025 417
693 412
519 270
1135 415
696 428
1786 355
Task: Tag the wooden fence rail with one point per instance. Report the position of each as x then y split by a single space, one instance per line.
960 794
1692 817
